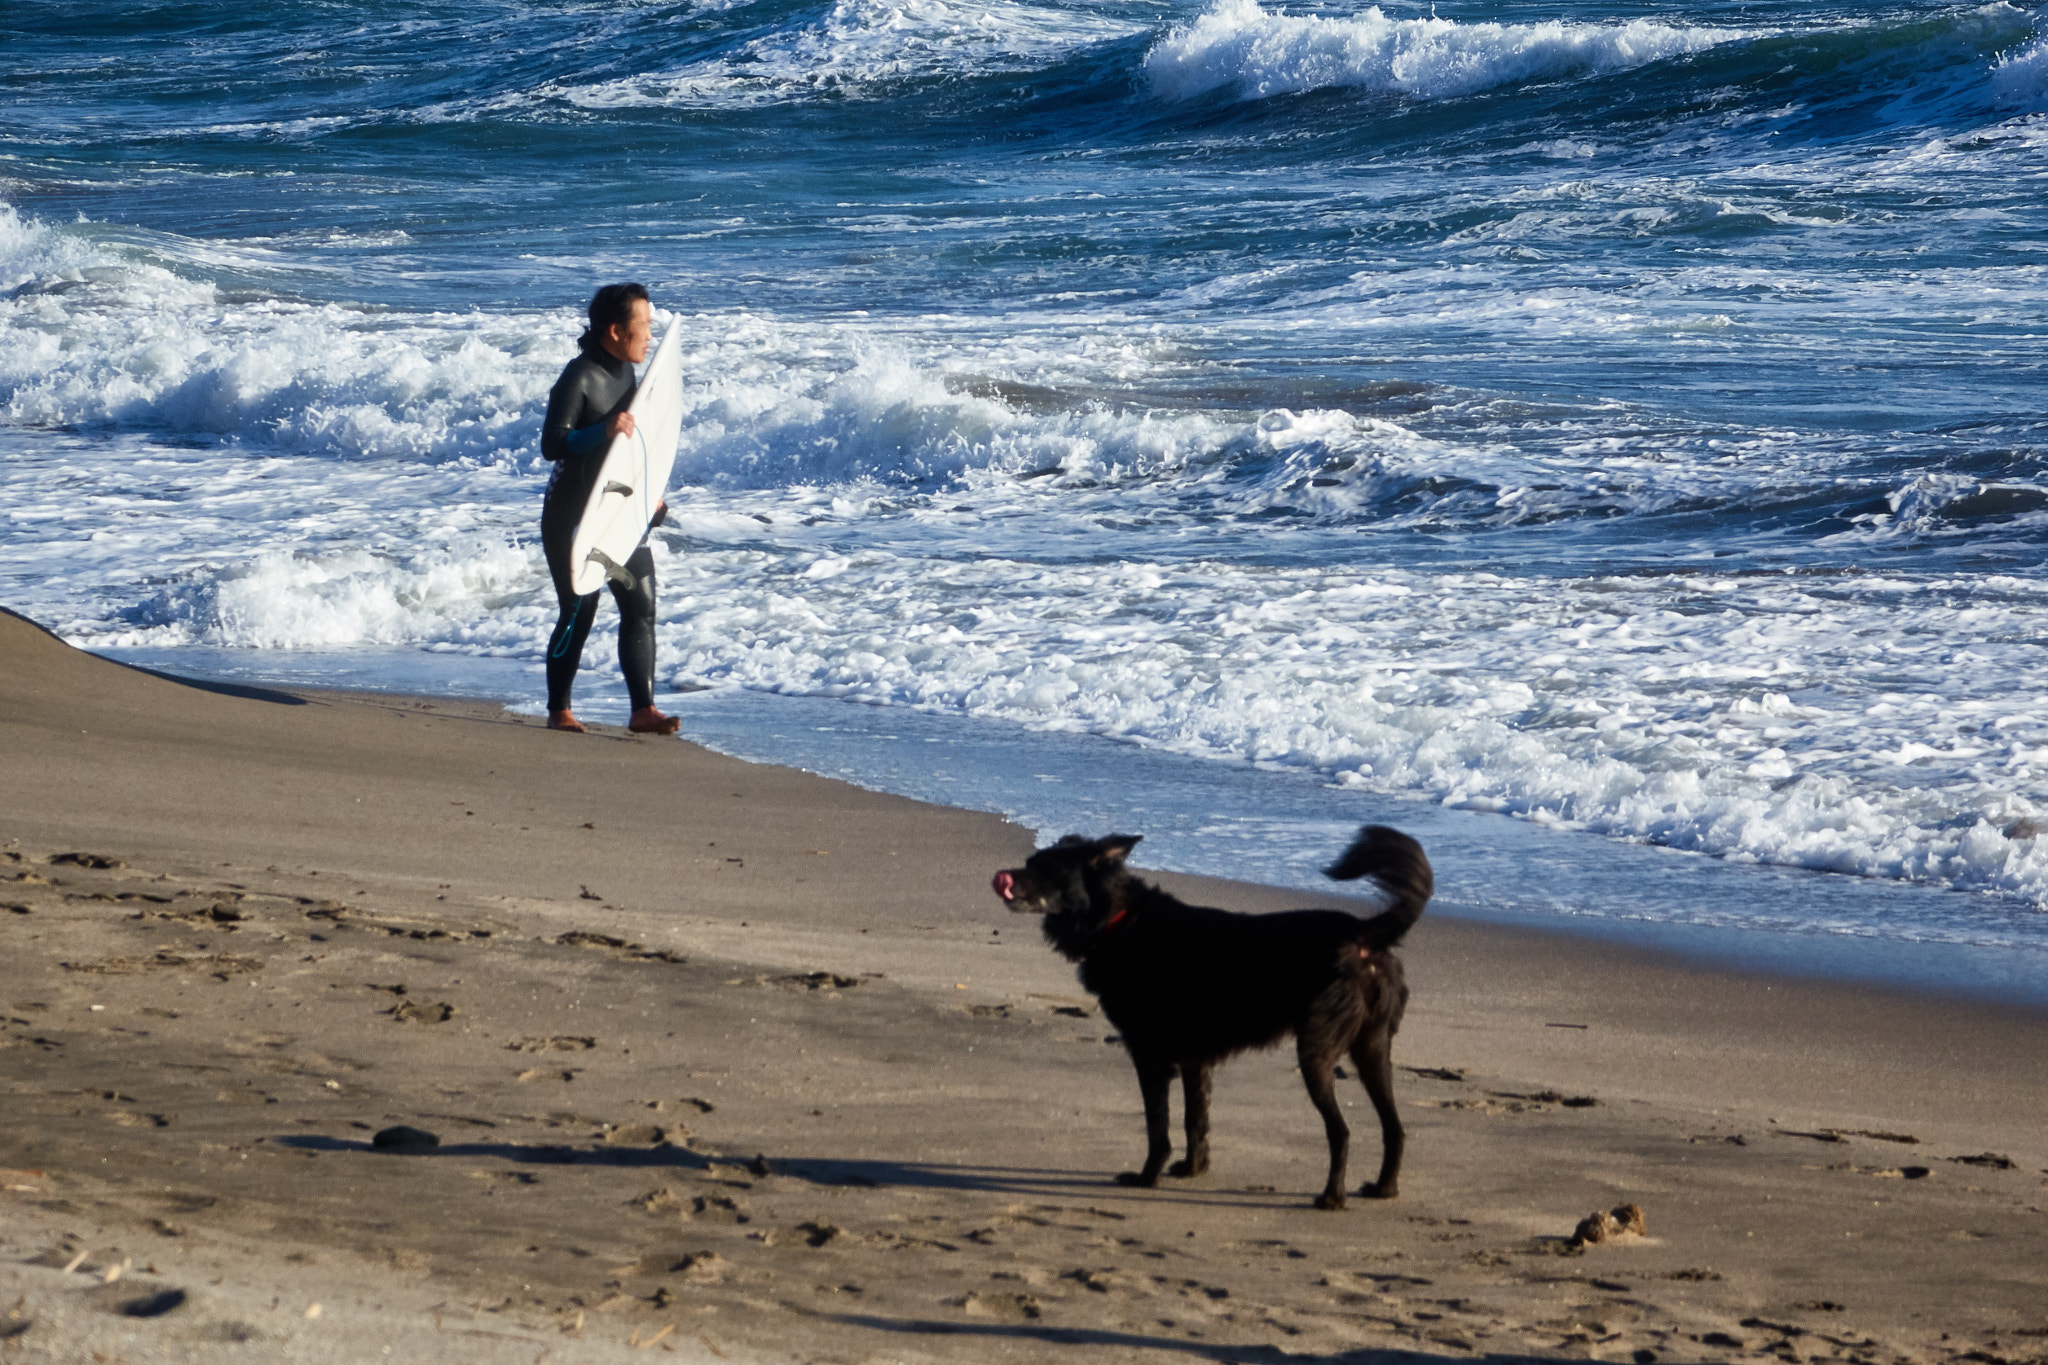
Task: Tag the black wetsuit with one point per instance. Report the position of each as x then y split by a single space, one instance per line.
592 390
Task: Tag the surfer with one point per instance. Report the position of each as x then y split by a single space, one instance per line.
586 409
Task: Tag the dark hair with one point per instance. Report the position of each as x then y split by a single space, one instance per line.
611 306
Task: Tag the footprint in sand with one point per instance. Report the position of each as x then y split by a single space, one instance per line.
702 1267
206 909
1001 1307
556 1043
1099 1281
825 982
663 1200
723 1208
1989 1160
99 861
547 1073
220 965
577 938
1271 1246
1538 1100
1881 1172
409 1012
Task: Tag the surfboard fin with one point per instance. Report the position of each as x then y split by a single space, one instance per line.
615 571
614 486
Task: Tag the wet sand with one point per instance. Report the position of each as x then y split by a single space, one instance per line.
738 1063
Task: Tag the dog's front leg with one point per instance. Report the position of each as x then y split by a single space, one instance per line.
1194 1094
1154 1079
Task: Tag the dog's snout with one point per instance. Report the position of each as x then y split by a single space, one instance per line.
1005 885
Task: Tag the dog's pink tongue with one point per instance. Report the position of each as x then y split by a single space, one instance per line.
1003 884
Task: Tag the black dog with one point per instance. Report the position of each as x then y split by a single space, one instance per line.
1189 986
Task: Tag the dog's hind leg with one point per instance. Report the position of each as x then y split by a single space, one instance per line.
1372 1052
1194 1092
1318 1056
1154 1080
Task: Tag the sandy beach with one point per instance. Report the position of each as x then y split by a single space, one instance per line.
738 1063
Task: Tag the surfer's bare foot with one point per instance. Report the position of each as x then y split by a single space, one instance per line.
648 721
565 720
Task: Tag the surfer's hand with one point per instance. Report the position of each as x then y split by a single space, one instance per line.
660 515
622 424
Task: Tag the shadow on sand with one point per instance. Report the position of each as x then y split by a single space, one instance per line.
1010 1180
225 689
1217 1351
221 688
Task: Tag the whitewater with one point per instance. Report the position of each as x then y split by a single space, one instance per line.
1617 433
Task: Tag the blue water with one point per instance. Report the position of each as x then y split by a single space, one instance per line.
1619 426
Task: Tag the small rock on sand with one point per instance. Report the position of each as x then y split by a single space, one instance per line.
154 1305
1624 1221
403 1138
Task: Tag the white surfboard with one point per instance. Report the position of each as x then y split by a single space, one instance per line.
634 474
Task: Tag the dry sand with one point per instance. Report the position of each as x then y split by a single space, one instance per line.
742 1064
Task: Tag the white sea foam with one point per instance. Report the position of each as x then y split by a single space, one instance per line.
2020 77
94 334
30 250
772 415
281 600
1717 715
858 47
1255 53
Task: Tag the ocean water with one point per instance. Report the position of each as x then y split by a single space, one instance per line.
1612 438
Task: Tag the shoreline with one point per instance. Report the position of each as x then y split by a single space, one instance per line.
2008 975
746 1062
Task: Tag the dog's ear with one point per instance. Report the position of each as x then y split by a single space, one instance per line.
1070 841
1111 850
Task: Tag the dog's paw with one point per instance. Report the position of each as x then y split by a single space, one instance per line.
1184 1170
1136 1178
1330 1201
1374 1189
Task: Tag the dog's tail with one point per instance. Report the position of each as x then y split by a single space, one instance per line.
1397 863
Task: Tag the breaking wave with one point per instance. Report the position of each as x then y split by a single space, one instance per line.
1253 53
